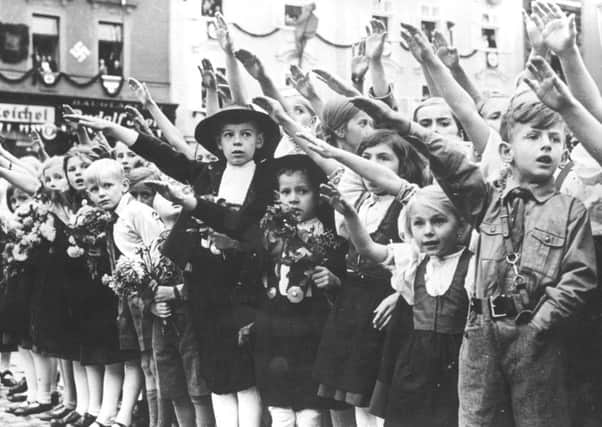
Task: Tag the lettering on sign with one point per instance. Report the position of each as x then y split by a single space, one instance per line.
23 113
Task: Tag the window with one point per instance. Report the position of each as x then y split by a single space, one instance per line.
211 7
45 40
110 48
428 28
489 38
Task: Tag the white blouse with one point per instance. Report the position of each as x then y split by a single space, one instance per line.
403 261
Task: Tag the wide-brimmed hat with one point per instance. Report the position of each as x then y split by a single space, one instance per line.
207 130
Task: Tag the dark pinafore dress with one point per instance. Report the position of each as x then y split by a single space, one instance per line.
424 387
350 351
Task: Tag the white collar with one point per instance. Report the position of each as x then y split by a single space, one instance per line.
247 167
123 203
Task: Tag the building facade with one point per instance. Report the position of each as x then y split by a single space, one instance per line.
78 52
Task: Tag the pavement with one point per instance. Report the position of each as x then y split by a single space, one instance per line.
9 420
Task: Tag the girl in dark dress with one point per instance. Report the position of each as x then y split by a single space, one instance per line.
289 326
350 352
431 271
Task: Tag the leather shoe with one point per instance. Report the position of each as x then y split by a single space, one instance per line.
84 421
21 387
69 418
32 409
55 413
15 398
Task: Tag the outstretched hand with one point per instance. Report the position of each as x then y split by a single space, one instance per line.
138 120
178 194
271 106
223 34
315 144
382 114
547 85
447 54
559 32
533 28
208 77
359 62
141 92
302 83
90 121
335 83
417 42
330 194
375 40
251 63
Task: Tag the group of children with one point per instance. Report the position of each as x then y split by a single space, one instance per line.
342 264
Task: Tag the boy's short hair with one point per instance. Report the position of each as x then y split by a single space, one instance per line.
524 107
104 167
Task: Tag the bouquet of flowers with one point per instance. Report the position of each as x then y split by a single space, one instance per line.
34 225
132 277
300 249
88 234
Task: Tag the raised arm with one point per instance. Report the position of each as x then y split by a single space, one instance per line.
459 100
171 162
170 132
375 43
556 95
560 35
237 87
385 178
293 129
18 177
461 179
357 232
303 84
209 82
418 53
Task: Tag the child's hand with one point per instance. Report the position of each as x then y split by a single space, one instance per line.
447 54
160 309
359 62
223 34
417 42
271 106
141 92
38 144
329 193
178 194
91 122
533 27
547 86
251 63
164 294
384 311
324 278
244 334
314 143
382 114
208 78
302 82
137 119
559 31
375 41
335 83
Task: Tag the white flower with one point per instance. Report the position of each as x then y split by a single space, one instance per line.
75 251
48 231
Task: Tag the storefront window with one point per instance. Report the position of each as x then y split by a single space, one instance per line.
110 48
45 40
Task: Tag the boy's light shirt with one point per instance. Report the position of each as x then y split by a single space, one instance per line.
235 182
403 260
137 225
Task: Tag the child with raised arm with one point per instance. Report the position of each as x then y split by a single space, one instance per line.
225 281
431 270
535 268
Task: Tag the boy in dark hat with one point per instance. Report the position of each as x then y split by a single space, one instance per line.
224 276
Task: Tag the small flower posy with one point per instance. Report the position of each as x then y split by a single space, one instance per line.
34 226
